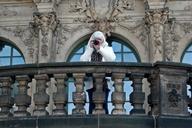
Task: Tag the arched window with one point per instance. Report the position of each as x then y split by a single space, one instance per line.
187 55
9 54
187 58
123 52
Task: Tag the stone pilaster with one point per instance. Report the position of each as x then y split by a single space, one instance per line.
79 95
6 101
169 91
22 100
98 95
137 97
60 97
46 23
155 20
118 96
41 98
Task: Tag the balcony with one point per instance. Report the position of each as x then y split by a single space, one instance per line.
168 99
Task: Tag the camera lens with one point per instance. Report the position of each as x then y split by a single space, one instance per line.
95 42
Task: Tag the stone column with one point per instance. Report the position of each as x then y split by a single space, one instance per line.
60 97
137 97
118 96
98 95
155 20
22 100
79 95
46 23
41 98
6 101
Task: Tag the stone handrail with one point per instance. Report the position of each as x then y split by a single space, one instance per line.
168 87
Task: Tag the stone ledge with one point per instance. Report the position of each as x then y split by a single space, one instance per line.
88 121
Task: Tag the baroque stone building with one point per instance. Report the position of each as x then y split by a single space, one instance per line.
44 32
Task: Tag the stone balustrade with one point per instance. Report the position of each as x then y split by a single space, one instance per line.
168 86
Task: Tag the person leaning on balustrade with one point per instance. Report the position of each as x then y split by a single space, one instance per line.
97 50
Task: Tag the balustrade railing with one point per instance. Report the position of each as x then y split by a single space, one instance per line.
168 88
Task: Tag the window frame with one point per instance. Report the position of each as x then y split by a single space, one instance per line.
184 53
12 56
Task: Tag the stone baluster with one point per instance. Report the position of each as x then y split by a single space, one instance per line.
79 95
60 97
22 100
99 95
153 98
118 96
6 101
41 98
137 97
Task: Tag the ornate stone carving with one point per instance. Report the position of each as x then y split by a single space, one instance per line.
27 34
155 19
171 39
46 23
102 21
140 30
187 27
173 98
63 32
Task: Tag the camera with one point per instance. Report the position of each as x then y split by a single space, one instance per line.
96 42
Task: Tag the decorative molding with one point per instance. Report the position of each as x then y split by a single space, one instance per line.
187 27
155 20
46 23
105 21
140 30
27 34
171 40
4 11
64 33
47 1
173 96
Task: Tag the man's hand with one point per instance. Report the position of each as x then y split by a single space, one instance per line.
96 47
96 44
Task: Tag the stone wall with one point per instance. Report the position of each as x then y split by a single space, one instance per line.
48 30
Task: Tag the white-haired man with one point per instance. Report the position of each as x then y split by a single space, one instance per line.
97 50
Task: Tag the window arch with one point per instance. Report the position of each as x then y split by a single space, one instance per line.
123 52
9 54
187 55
